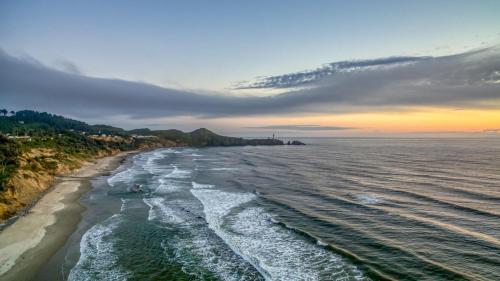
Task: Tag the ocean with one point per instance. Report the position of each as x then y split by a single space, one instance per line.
335 209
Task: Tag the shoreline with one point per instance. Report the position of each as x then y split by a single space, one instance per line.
28 243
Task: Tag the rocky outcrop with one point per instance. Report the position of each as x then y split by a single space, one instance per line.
295 142
264 142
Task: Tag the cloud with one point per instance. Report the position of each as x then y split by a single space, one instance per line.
302 128
68 67
307 77
467 80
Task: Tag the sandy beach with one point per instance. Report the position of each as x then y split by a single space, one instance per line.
32 239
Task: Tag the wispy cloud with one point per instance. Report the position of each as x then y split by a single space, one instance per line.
308 77
468 80
302 128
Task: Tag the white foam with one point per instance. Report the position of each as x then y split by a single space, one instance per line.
126 176
178 173
130 203
167 186
201 185
205 159
97 260
278 253
321 243
217 204
368 199
158 210
139 166
151 165
171 151
211 253
122 208
222 262
223 169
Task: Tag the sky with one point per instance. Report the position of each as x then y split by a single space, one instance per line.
253 68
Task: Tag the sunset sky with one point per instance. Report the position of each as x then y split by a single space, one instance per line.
253 68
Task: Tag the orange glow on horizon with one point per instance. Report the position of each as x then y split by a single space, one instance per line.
439 120
423 120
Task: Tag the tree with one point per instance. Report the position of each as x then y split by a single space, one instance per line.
4 111
12 112
9 159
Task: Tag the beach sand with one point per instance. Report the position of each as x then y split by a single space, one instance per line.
27 244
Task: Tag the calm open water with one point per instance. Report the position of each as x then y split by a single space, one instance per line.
336 209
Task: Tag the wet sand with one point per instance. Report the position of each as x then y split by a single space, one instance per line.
27 244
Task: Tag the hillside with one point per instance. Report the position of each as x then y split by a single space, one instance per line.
28 123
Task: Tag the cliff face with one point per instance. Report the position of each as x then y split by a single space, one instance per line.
37 168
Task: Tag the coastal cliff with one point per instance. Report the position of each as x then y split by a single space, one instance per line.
27 172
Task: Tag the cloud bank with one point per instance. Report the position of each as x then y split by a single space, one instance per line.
468 80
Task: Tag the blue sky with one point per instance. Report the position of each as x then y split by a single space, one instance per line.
210 45
165 64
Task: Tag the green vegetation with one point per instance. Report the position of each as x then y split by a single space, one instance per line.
45 125
9 159
40 142
29 122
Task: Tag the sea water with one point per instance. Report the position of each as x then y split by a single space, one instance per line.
335 209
